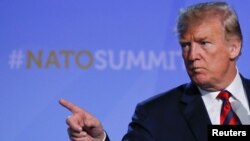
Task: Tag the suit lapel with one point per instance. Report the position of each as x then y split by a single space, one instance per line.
195 112
246 85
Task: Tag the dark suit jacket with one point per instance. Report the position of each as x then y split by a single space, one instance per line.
176 115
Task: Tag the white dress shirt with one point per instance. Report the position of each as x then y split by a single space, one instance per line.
238 101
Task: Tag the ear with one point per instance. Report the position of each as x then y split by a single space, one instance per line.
234 48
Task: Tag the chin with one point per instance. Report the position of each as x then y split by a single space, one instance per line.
200 80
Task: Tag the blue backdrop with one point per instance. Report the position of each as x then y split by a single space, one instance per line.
103 55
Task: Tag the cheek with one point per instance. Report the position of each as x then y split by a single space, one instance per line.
184 56
217 64
220 57
186 62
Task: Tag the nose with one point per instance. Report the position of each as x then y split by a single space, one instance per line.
193 52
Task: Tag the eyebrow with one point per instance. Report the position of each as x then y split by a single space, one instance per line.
182 40
201 38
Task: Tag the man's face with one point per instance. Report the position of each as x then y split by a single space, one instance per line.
207 55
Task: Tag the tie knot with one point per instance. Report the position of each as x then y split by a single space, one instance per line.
224 95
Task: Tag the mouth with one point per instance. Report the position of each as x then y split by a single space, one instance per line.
195 69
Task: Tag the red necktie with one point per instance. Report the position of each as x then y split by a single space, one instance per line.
228 116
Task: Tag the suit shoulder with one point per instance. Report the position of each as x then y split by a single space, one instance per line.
245 81
169 96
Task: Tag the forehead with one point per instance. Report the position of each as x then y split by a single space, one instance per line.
206 28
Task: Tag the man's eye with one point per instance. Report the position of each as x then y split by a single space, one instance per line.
204 43
185 45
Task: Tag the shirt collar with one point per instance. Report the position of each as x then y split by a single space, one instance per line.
233 88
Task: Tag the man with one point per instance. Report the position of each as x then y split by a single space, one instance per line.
211 41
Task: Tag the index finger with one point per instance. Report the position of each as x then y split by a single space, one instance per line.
70 106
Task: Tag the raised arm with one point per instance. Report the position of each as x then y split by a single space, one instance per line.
82 125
